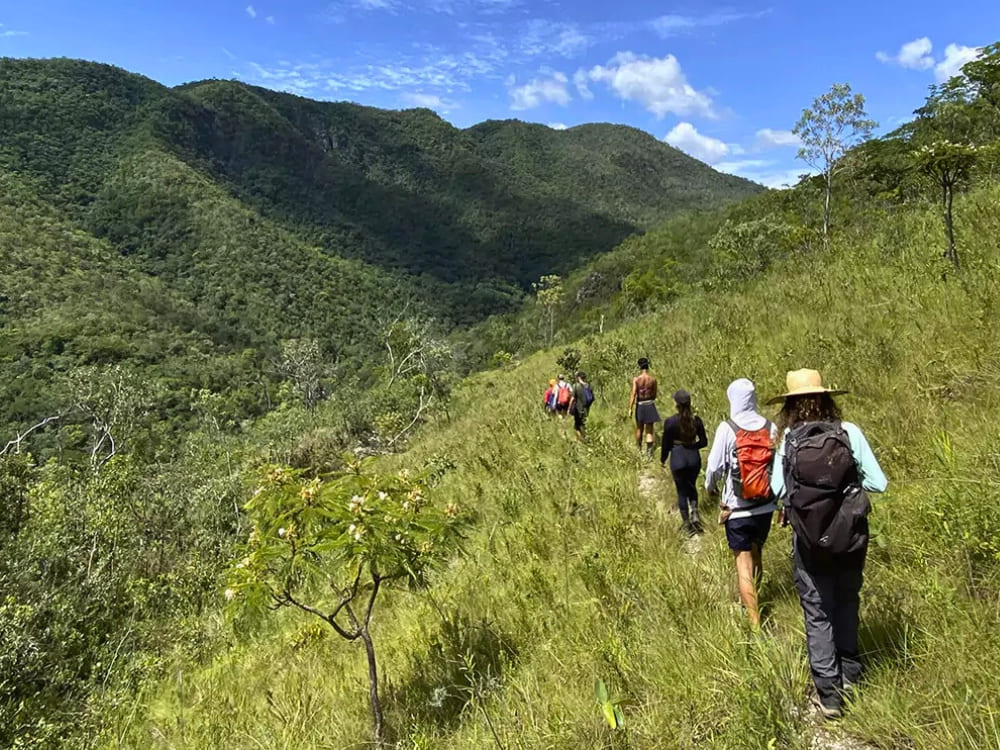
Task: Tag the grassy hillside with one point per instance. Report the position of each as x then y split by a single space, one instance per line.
573 573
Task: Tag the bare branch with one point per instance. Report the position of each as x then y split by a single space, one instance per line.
16 442
422 406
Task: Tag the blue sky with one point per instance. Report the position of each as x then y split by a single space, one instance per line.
723 81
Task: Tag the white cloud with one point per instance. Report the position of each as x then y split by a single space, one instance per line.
657 83
428 101
557 125
915 55
955 56
764 172
251 11
552 88
672 24
7 34
767 138
270 20
376 4
686 137
580 80
542 37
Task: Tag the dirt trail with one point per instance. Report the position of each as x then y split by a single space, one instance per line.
654 485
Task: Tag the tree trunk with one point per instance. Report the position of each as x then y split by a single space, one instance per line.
378 729
949 223
826 207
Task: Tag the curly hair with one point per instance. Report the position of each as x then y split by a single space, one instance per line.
814 407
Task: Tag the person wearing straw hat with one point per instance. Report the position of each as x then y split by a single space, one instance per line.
746 514
822 470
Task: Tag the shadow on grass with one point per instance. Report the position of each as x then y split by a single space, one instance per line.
463 663
886 637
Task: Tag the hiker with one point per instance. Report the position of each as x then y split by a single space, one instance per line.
822 471
741 456
683 439
643 401
564 393
579 405
549 399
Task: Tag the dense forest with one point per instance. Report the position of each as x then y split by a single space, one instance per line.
214 292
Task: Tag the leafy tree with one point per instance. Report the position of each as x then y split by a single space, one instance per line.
949 165
351 533
549 294
836 121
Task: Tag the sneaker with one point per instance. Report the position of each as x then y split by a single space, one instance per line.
829 713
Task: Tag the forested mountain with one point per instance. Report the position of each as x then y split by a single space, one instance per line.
240 217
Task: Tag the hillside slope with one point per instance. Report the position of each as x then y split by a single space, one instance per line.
573 573
266 217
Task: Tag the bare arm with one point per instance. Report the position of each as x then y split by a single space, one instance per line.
631 399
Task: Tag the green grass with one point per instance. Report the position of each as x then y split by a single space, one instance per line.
573 574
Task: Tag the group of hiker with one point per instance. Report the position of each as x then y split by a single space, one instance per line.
810 468
562 398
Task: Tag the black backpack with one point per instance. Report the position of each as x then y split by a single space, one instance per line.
826 504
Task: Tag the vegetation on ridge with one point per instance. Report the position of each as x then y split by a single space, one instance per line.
115 626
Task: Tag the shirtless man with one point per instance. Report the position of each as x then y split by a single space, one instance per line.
643 401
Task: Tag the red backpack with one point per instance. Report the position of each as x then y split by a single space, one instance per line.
564 395
752 459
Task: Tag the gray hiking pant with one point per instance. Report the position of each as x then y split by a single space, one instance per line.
830 597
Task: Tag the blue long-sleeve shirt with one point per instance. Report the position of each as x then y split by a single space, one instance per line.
872 477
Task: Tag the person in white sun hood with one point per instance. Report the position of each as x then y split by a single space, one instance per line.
741 457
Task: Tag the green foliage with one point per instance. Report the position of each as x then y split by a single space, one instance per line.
743 251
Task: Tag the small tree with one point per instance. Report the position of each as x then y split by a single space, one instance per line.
949 165
836 122
303 364
352 534
549 293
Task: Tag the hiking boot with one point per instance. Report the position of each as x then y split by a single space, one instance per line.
830 713
696 522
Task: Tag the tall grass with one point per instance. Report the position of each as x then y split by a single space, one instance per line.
573 574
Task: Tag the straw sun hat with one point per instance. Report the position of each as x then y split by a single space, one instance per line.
802 383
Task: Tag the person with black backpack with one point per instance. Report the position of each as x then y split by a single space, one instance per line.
579 404
683 439
822 471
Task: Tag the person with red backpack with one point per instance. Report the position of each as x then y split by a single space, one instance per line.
823 470
741 457
549 399
564 394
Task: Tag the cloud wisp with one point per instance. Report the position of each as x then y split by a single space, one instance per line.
6 33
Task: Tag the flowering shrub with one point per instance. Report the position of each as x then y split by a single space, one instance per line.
354 533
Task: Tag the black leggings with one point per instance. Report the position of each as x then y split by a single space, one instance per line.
686 481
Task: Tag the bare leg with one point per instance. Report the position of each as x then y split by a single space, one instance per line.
758 565
748 591
650 439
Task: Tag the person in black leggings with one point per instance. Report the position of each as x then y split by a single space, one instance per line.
683 439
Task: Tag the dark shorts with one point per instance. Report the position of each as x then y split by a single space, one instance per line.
579 420
646 413
743 533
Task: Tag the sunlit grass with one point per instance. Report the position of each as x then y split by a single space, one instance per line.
572 574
